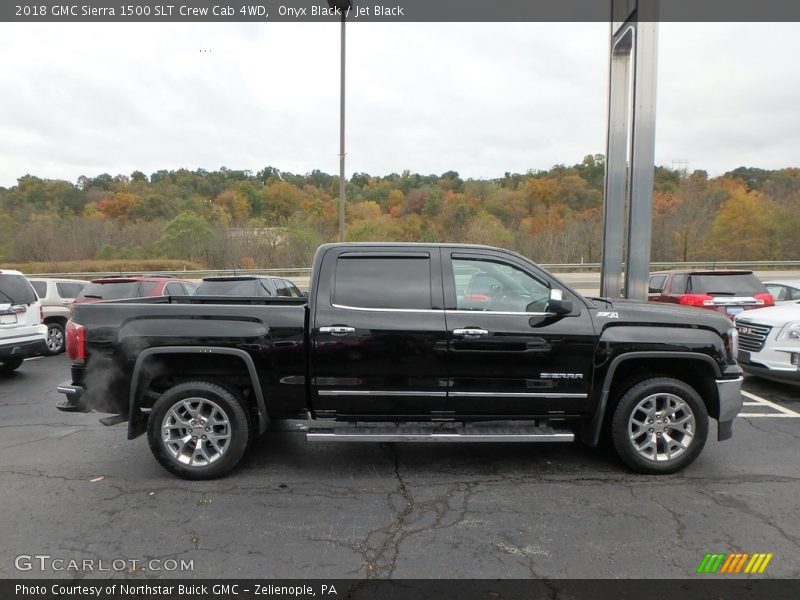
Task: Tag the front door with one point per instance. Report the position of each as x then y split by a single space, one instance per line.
506 355
378 334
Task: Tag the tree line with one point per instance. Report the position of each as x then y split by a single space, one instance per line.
233 218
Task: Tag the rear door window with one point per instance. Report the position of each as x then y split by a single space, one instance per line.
16 289
393 282
40 287
229 287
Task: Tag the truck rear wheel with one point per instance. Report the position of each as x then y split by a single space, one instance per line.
198 430
659 426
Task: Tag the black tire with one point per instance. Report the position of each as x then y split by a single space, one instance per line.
176 448
56 341
10 364
680 441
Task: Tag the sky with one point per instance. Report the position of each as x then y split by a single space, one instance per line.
480 99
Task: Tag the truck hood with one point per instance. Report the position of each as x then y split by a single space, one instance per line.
634 312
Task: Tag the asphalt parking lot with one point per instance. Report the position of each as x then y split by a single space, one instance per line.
73 489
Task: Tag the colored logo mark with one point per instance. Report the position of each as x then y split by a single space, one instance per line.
735 562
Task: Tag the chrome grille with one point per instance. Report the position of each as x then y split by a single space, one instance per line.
752 336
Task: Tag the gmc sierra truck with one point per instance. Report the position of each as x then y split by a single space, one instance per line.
407 342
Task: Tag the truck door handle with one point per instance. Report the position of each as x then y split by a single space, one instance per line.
470 332
337 330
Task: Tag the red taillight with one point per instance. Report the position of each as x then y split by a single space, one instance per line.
700 300
76 341
765 299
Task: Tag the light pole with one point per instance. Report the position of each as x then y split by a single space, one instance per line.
343 6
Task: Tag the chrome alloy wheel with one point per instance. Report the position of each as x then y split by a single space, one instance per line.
661 427
196 432
55 339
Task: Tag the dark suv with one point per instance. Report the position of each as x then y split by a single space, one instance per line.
134 286
728 292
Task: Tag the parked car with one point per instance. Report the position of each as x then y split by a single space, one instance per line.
57 296
248 285
784 292
134 286
727 292
769 342
22 333
392 345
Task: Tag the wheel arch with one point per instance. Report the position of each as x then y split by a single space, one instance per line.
697 370
137 423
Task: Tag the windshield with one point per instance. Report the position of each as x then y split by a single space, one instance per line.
745 284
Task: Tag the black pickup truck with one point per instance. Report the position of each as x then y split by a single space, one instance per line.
407 342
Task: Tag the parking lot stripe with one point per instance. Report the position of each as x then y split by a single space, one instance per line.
782 410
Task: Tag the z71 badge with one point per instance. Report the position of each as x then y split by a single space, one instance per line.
609 315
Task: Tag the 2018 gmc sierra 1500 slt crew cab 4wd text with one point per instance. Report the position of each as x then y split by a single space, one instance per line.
408 342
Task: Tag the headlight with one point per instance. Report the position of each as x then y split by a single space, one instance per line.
732 343
790 332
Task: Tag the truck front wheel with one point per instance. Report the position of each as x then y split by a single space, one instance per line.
198 430
659 426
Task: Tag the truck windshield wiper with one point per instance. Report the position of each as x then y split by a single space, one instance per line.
93 296
602 299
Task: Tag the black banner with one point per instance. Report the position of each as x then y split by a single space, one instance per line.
477 589
389 11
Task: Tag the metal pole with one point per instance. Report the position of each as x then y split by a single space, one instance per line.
341 139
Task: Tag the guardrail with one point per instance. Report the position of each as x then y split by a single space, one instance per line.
555 267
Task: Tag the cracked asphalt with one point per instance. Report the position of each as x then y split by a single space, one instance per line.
364 510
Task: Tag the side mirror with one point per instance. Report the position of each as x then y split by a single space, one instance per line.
304 294
557 305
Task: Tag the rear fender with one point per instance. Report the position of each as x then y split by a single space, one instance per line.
137 421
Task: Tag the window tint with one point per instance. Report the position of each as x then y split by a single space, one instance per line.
778 292
678 284
723 284
173 289
383 282
497 287
69 289
188 288
15 289
40 287
229 287
657 283
118 290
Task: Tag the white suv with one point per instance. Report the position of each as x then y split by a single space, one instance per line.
769 342
22 333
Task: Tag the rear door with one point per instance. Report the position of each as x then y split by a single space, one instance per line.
378 333
506 354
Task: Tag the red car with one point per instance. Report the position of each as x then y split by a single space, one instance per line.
134 286
728 292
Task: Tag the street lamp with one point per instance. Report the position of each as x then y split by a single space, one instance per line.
343 6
